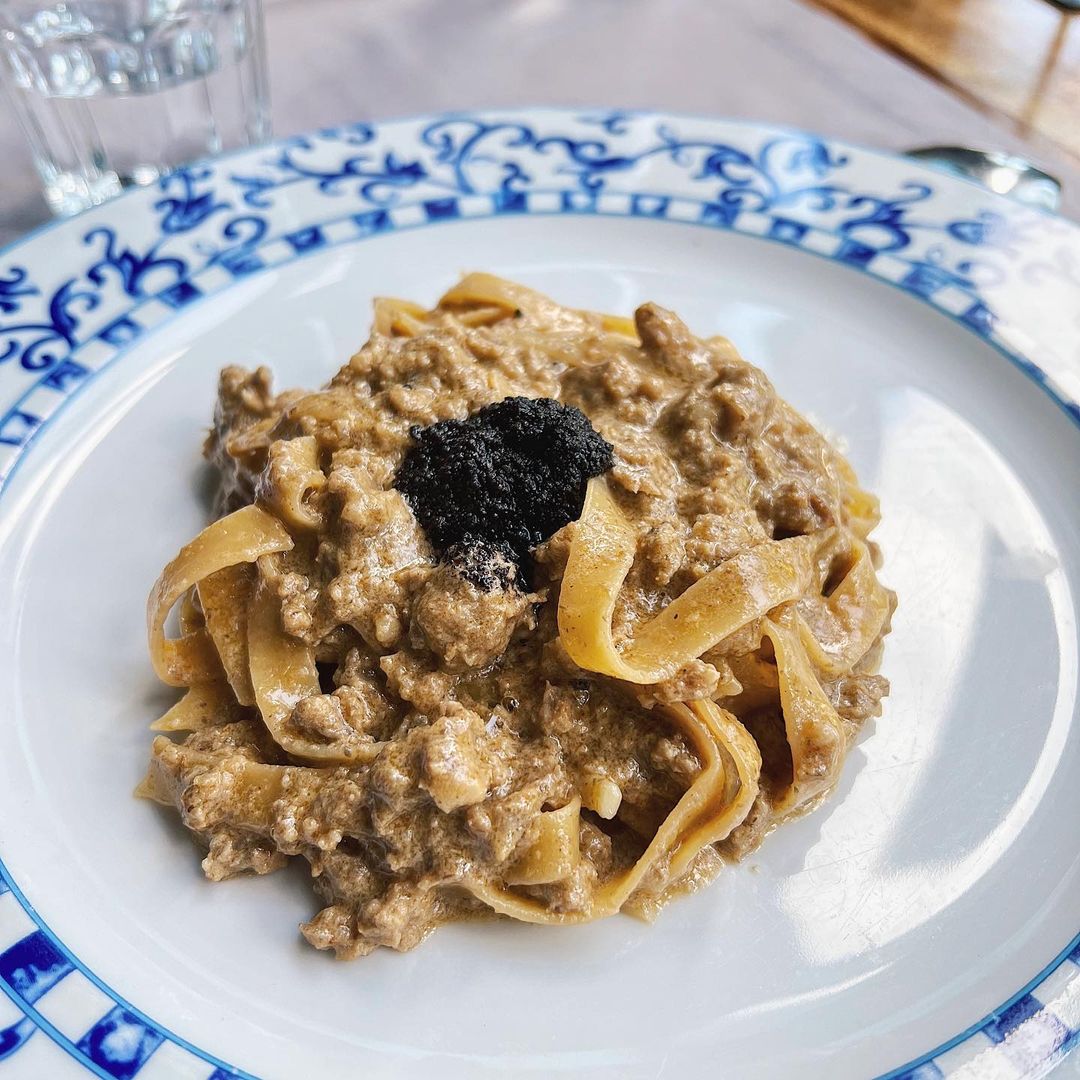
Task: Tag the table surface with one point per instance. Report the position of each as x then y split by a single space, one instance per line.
775 60
1019 59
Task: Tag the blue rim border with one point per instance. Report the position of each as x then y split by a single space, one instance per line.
70 1045
895 156
921 1068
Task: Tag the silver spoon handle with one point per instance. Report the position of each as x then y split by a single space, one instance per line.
1002 173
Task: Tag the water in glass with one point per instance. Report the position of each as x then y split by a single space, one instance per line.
113 92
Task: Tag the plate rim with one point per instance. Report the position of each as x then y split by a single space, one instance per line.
986 330
919 165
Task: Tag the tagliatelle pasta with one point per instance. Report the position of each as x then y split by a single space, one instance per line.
239 538
735 593
531 610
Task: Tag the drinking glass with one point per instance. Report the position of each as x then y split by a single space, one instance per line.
116 92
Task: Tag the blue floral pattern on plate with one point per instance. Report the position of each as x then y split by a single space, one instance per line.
74 297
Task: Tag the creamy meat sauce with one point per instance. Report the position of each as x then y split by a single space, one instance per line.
467 716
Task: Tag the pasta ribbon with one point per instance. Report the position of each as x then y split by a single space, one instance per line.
741 761
240 537
814 729
554 853
204 705
257 786
863 508
736 593
489 291
293 478
225 596
717 800
398 318
283 673
838 630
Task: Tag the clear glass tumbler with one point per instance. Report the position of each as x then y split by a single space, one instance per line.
116 92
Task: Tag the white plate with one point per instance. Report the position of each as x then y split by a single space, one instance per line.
919 924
